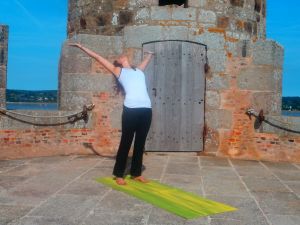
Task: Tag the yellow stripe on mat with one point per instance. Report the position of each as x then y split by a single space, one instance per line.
174 200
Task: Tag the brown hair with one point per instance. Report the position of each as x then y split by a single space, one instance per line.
118 88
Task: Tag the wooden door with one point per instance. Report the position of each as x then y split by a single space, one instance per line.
176 83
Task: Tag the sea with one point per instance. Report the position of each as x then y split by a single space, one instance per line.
290 113
31 106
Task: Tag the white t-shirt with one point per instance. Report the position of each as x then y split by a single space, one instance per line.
134 84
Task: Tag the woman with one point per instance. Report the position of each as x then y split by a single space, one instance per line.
137 112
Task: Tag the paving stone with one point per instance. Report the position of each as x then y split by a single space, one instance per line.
264 184
224 187
120 202
248 212
158 216
8 164
259 221
213 161
97 172
185 182
182 169
288 175
85 187
7 182
154 173
50 160
241 163
280 166
62 206
32 220
294 185
252 171
8 213
284 220
210 172
132 218
282 203
184 159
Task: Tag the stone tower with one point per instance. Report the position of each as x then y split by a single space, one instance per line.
212 62
245 68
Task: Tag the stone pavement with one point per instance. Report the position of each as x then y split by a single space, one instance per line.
62 191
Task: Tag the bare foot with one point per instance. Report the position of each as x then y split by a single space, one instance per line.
141 179
120 181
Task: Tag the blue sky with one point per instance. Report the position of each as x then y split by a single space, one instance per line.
38 29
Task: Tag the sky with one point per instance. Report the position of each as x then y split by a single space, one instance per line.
37 31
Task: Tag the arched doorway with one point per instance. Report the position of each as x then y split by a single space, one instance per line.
176 85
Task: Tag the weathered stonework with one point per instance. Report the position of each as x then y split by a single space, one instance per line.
245 72
3 63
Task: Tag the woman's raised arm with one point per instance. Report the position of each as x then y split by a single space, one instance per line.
108 65
146 61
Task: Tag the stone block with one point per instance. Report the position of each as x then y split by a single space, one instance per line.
263 78
213 41
74 100
223 22
75 65
217 60
48 117
267 52
184 13
161 13
206 16
3 56
218 119
135 36
197 3
2 77
3 97
239 3
3 34
270 102
217 82
142 15
175 33
212 100
82 82
15 122
142 3
103 45
244 48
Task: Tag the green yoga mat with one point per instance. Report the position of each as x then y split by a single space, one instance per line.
174 200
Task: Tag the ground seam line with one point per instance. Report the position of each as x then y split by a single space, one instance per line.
279 179
249 192
202 184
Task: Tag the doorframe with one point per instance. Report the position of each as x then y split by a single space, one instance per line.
204 132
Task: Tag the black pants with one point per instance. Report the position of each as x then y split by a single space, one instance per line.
135 122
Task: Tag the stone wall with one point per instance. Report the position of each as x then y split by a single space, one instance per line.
238 18
3 63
